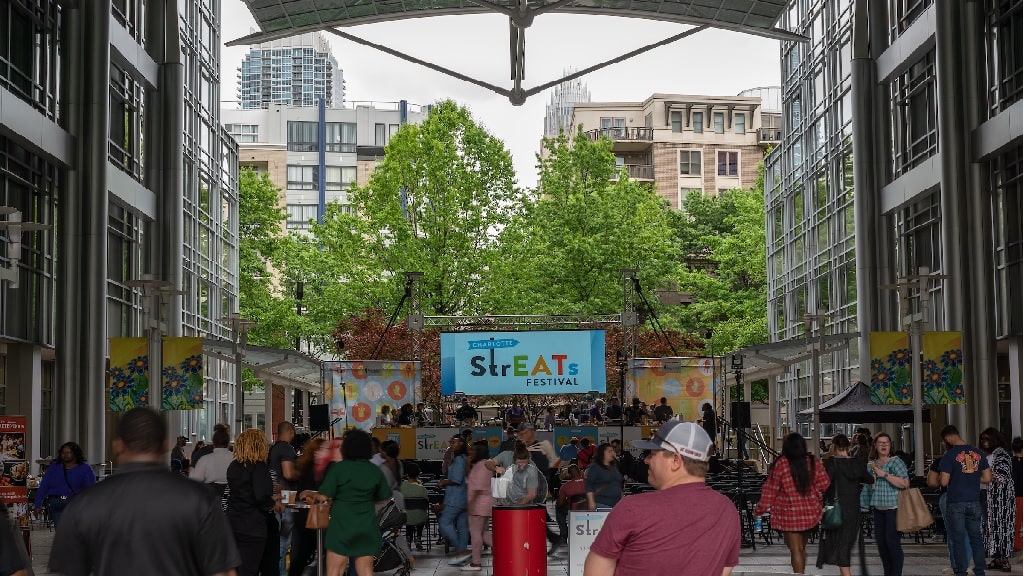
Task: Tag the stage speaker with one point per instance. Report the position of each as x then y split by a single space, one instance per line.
740 414
319 417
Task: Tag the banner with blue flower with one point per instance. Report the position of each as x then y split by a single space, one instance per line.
181 375
942 367
890 368
128 375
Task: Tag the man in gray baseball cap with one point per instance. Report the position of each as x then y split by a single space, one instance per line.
684 526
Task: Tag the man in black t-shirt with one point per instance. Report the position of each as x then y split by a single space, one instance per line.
663 412
465 413
284 473
144 519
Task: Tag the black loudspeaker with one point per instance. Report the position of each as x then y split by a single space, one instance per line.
740 414
319 417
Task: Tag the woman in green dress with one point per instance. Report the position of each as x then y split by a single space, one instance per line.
355 485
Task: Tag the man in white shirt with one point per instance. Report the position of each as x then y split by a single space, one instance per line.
213 468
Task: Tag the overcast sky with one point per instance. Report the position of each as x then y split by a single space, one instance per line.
711 62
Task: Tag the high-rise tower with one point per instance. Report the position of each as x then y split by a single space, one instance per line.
294 71
558 112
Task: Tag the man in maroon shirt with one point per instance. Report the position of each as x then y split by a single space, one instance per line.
684 527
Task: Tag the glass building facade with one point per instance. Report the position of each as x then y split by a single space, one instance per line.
901 151
110 134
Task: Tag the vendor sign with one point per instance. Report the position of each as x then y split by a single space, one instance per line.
13 464
544 362
583 529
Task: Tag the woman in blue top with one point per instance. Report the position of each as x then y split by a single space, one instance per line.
454 523
890 477
68 475
603 479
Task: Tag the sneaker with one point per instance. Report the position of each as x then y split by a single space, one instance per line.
460 559
555 550
947 570
471 568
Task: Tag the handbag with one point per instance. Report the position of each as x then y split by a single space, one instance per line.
832 518
832 514
912 514
500 484
319 516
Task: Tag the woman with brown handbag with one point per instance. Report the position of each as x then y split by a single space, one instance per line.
356 485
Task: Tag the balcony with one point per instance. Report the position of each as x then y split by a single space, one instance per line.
640 171
769 135
626 139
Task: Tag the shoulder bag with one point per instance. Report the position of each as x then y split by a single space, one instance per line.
832 515
912 514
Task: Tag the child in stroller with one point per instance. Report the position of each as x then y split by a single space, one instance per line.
391 557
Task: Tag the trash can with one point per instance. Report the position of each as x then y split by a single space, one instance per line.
520 540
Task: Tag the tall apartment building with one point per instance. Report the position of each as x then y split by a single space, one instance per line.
682 142
558 112
283 142
109 132
293 71
901 150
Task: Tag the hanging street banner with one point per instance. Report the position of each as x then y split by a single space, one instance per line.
181 377
685 383
128 375
942 367
358 388
542 362
13 465
890 367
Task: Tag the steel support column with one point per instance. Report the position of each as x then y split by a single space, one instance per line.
92 285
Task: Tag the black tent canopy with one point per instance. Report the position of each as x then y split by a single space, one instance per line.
853 406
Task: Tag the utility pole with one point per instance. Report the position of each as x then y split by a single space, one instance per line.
914 323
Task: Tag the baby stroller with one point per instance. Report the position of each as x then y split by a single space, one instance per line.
391 557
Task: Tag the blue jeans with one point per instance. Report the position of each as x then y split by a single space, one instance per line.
949 538
454 526
285 519
887 539
963 526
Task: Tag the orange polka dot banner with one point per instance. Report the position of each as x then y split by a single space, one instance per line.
687 383
359 389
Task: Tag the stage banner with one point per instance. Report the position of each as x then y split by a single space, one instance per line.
181 377
890 368
942 367
432 442
406 438
128 375
565 433
493 436
685 383
542 362
13 465
359 388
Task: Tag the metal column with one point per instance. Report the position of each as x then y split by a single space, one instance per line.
866 184
92 285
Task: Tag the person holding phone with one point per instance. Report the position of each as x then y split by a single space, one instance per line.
890 477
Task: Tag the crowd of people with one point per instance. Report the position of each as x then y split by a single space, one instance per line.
222 510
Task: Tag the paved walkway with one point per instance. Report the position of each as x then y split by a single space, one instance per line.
921 560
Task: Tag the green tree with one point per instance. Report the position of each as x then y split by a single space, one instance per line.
724 241
434 205
260 230
584 224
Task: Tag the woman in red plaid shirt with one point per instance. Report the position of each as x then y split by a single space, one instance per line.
793 493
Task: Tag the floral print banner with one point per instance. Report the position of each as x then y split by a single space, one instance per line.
942 367
128 376
359 388
182 373
890 368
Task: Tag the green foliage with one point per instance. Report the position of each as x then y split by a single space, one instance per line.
584 224
435 205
